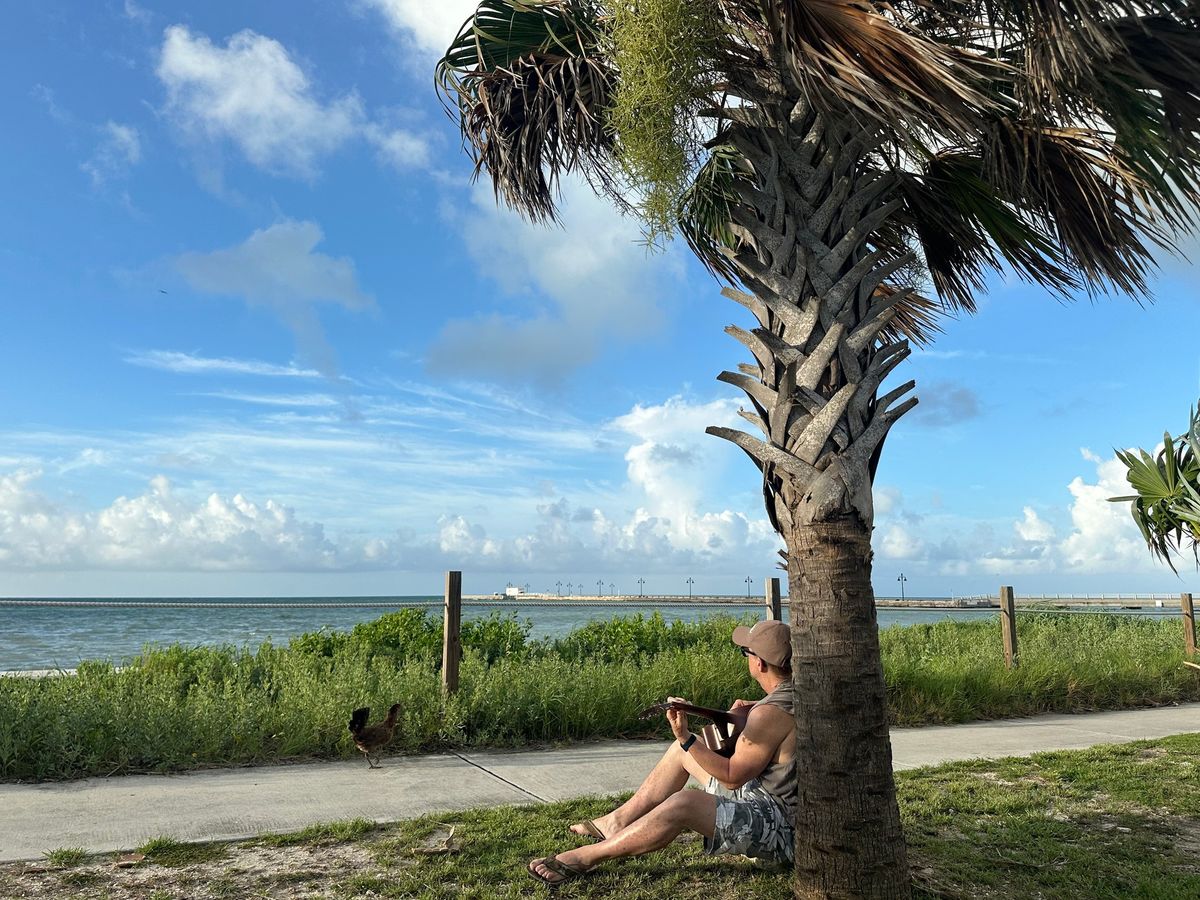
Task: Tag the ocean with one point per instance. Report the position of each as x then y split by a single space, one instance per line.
52 637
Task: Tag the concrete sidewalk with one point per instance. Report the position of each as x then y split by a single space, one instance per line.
102 814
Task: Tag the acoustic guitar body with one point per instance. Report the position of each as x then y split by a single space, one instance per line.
720 736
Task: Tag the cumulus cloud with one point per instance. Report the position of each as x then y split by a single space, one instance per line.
157 530
592 281
252 93
429 26
119 150
1102 538
279 268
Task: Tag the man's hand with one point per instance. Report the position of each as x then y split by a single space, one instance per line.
678 720
742 704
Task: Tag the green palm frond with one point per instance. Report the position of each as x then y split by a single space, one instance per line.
1166 502
530 87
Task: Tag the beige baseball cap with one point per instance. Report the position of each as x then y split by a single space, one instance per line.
770 641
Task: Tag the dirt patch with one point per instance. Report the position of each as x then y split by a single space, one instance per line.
293 872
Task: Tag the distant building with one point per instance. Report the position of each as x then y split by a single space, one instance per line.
511 591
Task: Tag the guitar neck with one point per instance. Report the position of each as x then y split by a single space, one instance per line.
720 716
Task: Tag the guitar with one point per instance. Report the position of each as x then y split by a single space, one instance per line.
719 737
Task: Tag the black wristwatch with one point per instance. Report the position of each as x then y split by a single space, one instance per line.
687 745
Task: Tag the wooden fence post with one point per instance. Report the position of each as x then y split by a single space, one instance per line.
451 632
1008 626
774 608
1189 624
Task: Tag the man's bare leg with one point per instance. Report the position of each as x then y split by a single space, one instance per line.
667 777
682 811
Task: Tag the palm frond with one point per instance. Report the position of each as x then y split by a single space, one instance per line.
868 60
529 84
1166 502
962 225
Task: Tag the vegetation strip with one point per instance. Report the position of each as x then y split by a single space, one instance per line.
1110 822
178 708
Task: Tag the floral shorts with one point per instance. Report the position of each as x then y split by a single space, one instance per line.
750 822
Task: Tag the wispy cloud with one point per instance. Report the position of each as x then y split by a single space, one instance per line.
315 401
190 364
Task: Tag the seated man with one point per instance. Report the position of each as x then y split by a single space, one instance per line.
748 802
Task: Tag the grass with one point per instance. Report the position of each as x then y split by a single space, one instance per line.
177 708
1106 823
166 851
66 857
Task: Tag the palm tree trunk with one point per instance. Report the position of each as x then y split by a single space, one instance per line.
806 212
848 837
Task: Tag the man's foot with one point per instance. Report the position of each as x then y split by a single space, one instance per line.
552 871
589 828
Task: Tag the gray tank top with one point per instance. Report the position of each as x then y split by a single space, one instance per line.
779 779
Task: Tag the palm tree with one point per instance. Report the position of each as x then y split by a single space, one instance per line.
1166 506
852 170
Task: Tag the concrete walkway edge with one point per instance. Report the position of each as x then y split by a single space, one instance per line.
101 814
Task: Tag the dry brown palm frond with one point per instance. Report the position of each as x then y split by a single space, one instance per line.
1074 184
530 87
852 54
535 120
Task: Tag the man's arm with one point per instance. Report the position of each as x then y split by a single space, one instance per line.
766 729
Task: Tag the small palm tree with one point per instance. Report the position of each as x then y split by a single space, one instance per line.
852 169
1166 506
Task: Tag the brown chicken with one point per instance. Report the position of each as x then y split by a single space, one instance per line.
370 739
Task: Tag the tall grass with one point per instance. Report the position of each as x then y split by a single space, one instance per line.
175 707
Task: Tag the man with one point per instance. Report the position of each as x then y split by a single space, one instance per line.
748 802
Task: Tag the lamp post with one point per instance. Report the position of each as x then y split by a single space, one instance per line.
748 581
569 586
641 587
689 584
600 587
902 579
558 584
612 589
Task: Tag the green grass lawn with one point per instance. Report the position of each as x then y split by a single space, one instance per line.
175 708
1112 822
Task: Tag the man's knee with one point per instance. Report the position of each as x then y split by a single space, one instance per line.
696 810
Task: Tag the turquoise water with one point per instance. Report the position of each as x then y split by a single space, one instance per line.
48 637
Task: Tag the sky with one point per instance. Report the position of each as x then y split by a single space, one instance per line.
263 335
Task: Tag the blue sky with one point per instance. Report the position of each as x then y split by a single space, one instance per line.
263 336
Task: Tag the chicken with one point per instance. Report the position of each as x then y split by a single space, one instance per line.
370 739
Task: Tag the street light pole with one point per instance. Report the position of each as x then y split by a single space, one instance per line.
689 584
600 586
748 581
641 587
902 579
612 589
558 584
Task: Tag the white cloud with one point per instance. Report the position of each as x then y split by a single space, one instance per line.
278 267
1032 528
598 278
430 25
190 364
1105 538
398 148
252 93
119 150
156 530
899 543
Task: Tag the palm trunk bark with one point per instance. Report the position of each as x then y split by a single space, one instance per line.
806 212
849 841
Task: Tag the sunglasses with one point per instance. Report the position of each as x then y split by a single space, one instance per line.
746 651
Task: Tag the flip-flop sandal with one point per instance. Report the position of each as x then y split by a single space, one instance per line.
589 831
564 871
